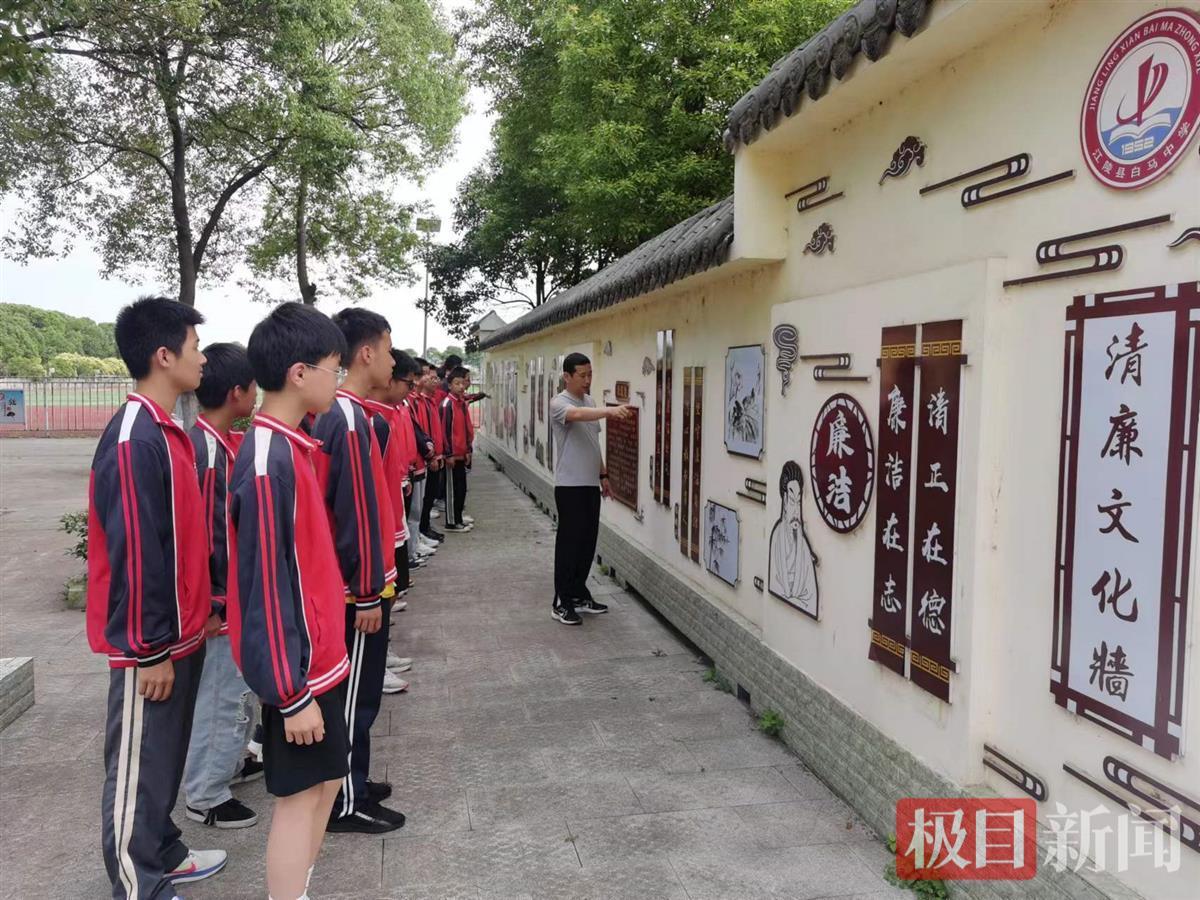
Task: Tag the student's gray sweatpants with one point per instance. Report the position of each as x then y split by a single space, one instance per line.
145 746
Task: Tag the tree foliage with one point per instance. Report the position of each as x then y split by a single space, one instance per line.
31 338
149 126
609 131
391 96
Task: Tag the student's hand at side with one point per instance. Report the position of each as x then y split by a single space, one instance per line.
605 489
155 682
306 726
469 456
368 621
451 460
212 626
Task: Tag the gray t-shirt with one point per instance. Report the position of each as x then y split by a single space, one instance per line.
577 458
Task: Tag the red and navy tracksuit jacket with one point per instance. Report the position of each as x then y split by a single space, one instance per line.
456 424
429 420
287 628
215 453
350 470
148 578
396 458
420 435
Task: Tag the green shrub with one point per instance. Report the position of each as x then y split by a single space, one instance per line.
25 367
770 723
76 525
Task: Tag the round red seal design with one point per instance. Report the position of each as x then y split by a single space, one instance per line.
842 463
1142 106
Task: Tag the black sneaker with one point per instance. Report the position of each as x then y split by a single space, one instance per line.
359 822
230 814
436 536
378 811
378 791
565 614
457 529
591 606
251 770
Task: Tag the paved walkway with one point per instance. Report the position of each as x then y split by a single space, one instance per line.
533 760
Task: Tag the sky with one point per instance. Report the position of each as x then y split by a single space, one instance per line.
72 284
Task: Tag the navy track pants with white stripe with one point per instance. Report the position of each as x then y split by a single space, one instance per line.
145 748
364 695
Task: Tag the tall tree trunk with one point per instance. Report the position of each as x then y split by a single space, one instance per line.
168 84
308 290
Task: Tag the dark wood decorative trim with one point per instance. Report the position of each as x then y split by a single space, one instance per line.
1123 774
697 444
1103 259
842 362
787 340
911 150
755 490
809 193
1189 234
1188 834
668 388
1013 167
822 239
684 516
1015 774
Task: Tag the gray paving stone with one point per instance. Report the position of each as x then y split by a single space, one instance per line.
533 761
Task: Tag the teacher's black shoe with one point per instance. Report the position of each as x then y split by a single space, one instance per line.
592 607
565 614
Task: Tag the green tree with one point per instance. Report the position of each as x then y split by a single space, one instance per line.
24 367
149 126
26 331
609 131
384 108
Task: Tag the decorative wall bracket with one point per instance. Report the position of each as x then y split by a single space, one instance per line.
840 362
786 339
1103 258
1013 773
755 490
822 239
911 150
1011 168
1189 234
758 583
806 196
1150 808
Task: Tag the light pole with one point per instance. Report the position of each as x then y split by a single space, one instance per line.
427 226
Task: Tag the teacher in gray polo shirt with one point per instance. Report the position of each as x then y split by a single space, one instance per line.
580 480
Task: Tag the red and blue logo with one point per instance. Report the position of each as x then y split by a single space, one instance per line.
1142 106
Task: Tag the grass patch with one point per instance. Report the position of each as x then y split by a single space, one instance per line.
717 680
933 889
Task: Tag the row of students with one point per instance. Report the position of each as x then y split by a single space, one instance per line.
261 567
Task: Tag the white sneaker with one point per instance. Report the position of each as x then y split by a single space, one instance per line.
435 514
399 605
198 865
468 520
398 664
393 683
428 547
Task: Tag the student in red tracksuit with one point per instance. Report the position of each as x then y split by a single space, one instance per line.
430 419
456 418
148 599
350 467
423 461
286 625
224 707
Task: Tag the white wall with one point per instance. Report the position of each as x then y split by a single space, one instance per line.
902 258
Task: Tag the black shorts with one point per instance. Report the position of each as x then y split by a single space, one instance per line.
292 768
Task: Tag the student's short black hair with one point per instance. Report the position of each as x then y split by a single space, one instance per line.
403 365
359 326
292 333
227 366
149 323
573 361
453 362
457 372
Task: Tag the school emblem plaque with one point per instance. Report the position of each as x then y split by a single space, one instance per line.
1142 106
